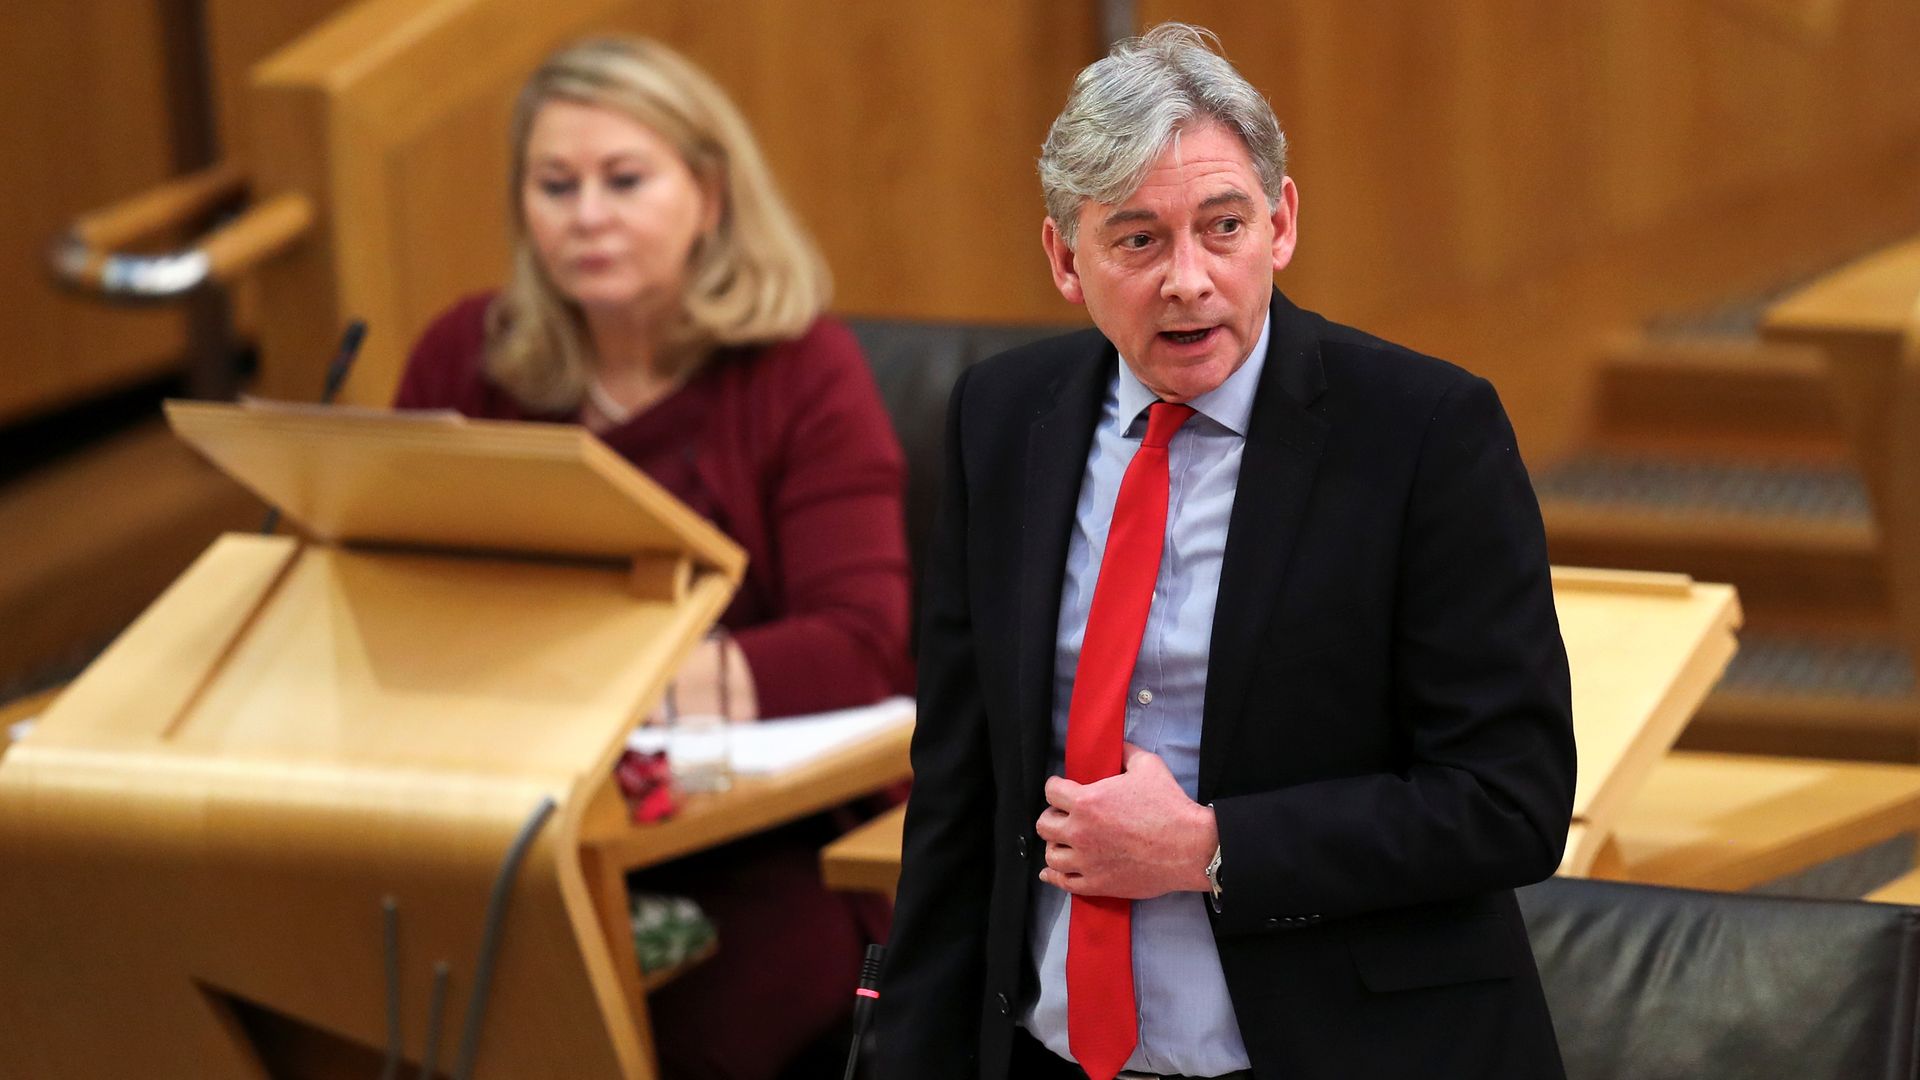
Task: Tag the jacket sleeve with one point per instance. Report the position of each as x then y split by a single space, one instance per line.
928 1021
1479 687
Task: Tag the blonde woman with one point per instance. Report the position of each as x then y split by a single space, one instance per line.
663 294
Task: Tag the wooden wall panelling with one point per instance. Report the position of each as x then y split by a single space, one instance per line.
241 33
897 138
84 120
1459 164
905 137
349 113
1502 182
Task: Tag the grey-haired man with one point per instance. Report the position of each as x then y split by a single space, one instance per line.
1243 706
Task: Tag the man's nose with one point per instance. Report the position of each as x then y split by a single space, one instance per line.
1188 277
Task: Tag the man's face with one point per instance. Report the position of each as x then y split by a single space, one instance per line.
1178 276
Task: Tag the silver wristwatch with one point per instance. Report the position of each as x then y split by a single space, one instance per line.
1213 880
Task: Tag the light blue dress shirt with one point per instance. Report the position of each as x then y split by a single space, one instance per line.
1186 1019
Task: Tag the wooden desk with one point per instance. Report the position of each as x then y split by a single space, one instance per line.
319 767
1904 889
1644 649
1732 821
1871 298
868 858
1702 821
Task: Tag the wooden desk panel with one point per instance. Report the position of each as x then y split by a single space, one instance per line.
868 858
1644 649
1731 821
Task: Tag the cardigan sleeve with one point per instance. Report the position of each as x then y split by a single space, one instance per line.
836 511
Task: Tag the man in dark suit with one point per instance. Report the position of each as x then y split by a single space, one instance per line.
1243 705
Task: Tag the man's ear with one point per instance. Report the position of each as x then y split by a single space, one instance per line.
1286 224
1060 262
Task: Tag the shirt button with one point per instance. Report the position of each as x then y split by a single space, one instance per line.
1144 697
1006 1007
1020 847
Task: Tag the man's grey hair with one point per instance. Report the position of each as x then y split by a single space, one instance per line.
1128 107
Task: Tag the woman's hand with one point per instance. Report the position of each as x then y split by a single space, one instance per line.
697 687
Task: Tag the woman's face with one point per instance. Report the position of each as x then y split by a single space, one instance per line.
612 210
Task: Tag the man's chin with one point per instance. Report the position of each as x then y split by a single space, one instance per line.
1182 378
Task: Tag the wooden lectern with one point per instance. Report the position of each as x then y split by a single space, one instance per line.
318 768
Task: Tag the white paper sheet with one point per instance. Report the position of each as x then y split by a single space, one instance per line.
776 746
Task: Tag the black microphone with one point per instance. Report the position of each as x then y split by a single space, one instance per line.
864 997
343 357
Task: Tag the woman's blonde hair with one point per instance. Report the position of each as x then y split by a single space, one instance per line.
756 277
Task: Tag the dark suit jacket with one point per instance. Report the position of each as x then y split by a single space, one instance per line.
1387 735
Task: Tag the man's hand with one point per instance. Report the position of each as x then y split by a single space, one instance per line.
1135 835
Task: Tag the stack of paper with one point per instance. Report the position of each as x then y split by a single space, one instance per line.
778 745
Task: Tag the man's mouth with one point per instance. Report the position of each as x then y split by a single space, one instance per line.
1187 337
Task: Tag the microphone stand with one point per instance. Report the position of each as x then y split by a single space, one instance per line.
343 357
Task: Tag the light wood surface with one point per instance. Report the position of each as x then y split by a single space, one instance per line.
171 205
375 477
296 730
1728 821
1874 295
868 858
1644 650
1904 889
291 733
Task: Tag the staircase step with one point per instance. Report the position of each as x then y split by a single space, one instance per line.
1796 539
1807 725
1731 391
1811 493
1831 697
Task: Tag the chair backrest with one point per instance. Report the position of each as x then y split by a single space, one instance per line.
1651 983
916 364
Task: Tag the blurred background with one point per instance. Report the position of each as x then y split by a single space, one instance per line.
1611 209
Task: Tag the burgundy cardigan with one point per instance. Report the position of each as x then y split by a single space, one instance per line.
786 448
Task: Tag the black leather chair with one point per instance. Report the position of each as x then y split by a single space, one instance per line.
916 364
1649 983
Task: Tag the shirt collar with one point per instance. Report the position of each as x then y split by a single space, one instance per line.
1230 404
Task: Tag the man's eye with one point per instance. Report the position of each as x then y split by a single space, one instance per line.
556 188
1136 241
1228 225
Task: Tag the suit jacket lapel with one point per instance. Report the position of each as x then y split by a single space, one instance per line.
1277 466
1057 445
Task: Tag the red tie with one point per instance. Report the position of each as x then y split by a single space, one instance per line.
1102 1022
